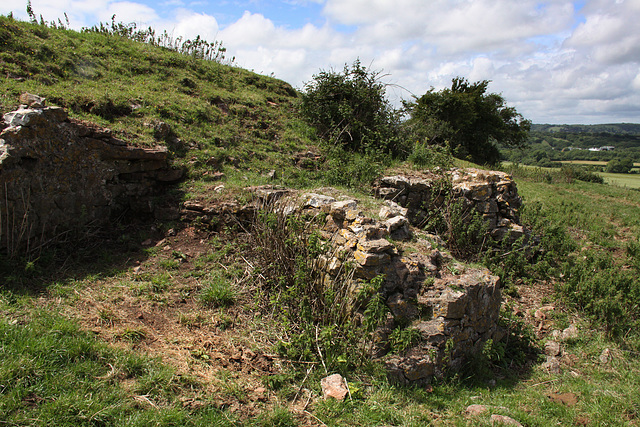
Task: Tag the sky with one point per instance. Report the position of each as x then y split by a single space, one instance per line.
555 61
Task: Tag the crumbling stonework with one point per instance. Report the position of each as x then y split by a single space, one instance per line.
493 194
455 308
58 174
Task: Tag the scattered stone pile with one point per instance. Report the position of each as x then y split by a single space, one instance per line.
493 194
58 174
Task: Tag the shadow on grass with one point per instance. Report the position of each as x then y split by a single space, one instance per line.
105 252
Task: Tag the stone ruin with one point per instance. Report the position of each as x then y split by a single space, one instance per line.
453 307
491 193
58 174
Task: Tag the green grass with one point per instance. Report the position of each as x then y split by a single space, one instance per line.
218 292
591 162
54 374
622 179
229 114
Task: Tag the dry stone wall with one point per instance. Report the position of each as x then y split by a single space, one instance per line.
453 308
491 193
58 174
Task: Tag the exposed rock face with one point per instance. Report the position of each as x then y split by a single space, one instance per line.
492 194
58 175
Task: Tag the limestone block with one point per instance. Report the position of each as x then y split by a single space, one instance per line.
367 272
396 181
334 265
401 308
419 369
481 191
312 200
334 386
32 101
432 330
351 214
386 212
375 246
489 206
344 204
452 305
407 370
369 259
396 222
387 193
420 185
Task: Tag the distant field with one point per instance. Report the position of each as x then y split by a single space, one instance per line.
591 162
621 179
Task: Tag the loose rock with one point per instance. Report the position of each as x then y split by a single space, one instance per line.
504 420
552 348
552 365
334 386
475 410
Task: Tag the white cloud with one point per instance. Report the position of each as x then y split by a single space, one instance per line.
453 26
128 12
189 25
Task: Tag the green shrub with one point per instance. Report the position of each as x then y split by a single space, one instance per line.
401 339
319 316
471 120
596 284
352 170
349 110
460 225
431 156
572 172
619 165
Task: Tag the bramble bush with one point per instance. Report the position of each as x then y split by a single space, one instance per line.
350 110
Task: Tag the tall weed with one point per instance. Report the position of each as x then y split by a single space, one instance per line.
319 314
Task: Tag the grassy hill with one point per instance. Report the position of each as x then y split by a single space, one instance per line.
217 111
162 323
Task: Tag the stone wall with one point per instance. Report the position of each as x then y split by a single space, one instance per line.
58 174
493 194
453 307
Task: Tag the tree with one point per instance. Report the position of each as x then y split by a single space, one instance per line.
470 120
619 165
349 110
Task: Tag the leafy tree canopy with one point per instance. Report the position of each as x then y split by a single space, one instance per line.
350 110
619 165
468 119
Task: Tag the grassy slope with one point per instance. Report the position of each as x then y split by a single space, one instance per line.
53 374
226 113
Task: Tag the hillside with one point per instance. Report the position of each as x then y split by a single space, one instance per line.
150 95
556 143
227 312
610 128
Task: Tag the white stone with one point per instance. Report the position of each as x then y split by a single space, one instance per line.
316 200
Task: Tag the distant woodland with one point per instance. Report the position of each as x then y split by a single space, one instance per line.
553 143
